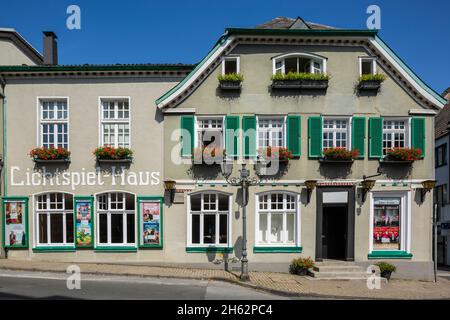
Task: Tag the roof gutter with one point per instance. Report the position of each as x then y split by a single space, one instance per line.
296 32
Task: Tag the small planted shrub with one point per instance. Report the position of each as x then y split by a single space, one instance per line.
340 154
231 77
404 154
300 266
111 153
49 154
386 269
275 153
208 155
300 76
377 77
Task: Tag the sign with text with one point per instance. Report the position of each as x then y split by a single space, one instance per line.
15 213
150 217
84 223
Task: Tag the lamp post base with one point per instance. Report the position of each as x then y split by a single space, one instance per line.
244 277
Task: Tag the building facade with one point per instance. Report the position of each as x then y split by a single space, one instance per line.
170 205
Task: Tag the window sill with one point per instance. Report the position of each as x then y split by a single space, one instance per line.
277 249
394 254
325 160
57 161
54 249
115 249
107 161
209 249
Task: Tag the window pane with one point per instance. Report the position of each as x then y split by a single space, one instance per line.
290 65
276 227
209 228
263 227
130 228
116 228
366 67
195 228
230 66
386 224
196 202
103 228
43 228
223 228
69 228
290 224
223 202
56 228
304 65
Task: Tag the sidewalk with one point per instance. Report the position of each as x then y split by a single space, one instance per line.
278 283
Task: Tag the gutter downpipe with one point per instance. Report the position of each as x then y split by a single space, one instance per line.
3 251
435 211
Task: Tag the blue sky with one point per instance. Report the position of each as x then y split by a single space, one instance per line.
171 31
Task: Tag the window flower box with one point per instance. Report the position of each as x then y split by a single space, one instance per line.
402 155
108 154
371 81
208 155
280 154
300 80
339 155
230 81
50 155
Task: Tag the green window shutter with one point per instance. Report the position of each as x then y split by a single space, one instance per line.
375 137
315 137
293 130
187 135
418 134
359 135
232 136
249 128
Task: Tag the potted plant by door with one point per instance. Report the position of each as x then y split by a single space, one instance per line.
300 266
371 81
386 269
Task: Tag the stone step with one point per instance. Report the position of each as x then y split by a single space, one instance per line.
338 268
339 275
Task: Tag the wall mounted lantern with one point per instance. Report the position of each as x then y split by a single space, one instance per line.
367 185
170 186
427 185
310 186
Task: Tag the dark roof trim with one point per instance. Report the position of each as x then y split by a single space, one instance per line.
312 32
168 67
22 44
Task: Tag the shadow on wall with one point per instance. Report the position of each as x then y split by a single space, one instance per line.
396 171
228 94
204 172
335 170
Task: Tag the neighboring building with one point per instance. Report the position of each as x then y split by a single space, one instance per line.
442 134
83 107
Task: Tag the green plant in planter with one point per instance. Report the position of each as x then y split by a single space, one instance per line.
299 76
377 77
111 153
231 77
300 266
386 269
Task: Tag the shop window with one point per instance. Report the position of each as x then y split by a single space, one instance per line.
115 123
209 219
441 155
116 219
209 132
335 133
54 219
270 132
395 134
276 219
53 124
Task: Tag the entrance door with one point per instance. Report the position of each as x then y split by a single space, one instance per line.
334 237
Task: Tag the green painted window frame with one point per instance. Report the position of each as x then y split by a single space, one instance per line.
358 140
187 123
315 140
27 239
115 249
54 249
376 138
389 254
418 134
294 134
232 136
209 249
159 199
249 138
87 199
259 249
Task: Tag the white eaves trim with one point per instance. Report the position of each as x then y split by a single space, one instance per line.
180 110
422 112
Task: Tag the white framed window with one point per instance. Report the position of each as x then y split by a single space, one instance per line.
271 132
116 219
209 219
54 219
209 131
336 133
277 219
115 122
367 65
395 134
299 62
53 123
390 221
231 64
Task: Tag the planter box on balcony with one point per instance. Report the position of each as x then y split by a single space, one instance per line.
314 84
55 161
108 161
300 84
329 160
369 85
387 160
230 85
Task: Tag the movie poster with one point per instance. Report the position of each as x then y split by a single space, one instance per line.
83 223
386 225
151 223
15 224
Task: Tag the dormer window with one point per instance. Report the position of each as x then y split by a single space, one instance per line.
299 63
230 65
367 66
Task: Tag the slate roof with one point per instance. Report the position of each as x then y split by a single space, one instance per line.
441 122
291 23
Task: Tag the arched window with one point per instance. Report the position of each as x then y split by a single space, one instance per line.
209 219
116 219
277 219
299 62
54 219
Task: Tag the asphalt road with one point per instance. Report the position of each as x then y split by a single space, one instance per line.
40 285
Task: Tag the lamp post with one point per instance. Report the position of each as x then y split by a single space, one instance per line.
244 181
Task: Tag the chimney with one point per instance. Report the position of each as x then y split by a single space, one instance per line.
50 48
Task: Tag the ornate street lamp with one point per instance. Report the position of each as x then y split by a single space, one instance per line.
244 181
169 186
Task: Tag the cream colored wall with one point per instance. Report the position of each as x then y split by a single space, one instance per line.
10 55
